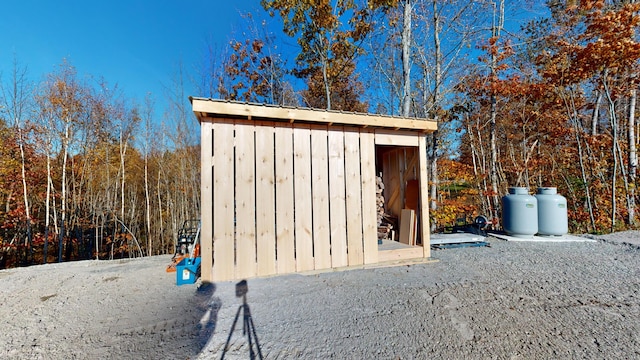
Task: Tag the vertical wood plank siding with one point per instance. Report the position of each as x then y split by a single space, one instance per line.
265 199
353 190
424 198
285 198
337 198
245 200
369 214
302 198
223 202
206 197
288 198
320 191
285 225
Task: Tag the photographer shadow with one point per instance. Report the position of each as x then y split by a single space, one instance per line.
248 327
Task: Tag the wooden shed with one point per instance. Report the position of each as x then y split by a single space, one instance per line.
292 190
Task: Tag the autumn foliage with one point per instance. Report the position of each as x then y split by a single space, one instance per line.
565 113
72 183
88 173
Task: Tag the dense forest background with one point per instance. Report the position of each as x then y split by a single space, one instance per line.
525 94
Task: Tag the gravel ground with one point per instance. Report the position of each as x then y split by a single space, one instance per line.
513 300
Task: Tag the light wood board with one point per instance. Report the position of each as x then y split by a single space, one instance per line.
303 200
337 198
369 213
209 108
424 226
320 186
353 196
407 226
223 203
206 199
265 201
286 261
245 201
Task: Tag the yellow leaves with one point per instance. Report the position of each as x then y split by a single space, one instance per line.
385 4
236 45
607 42
593 4
328 33
257 45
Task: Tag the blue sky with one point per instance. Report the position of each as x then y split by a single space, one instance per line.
136 44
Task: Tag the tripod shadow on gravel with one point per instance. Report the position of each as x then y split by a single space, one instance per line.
243 314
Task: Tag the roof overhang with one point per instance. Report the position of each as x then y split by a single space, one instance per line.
207 110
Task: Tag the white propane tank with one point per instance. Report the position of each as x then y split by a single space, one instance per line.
552 212
520 213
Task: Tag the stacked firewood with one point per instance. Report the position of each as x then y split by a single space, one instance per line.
384 227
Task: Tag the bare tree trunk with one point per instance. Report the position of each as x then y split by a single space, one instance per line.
160 213
633 158
123 152
433 158
14 103
25 194
327 86
63 198
596 114
406 57
486 198
147 140
474 152
614 133
97 237
573 115
47 212
495 34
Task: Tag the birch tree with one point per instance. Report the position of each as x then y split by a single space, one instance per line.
447 30
15 105
146 149
633 157
64 96
406 56
496 29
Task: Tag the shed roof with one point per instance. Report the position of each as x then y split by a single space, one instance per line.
208 109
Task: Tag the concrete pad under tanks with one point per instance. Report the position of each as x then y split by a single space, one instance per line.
436 239
562 238
455 238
